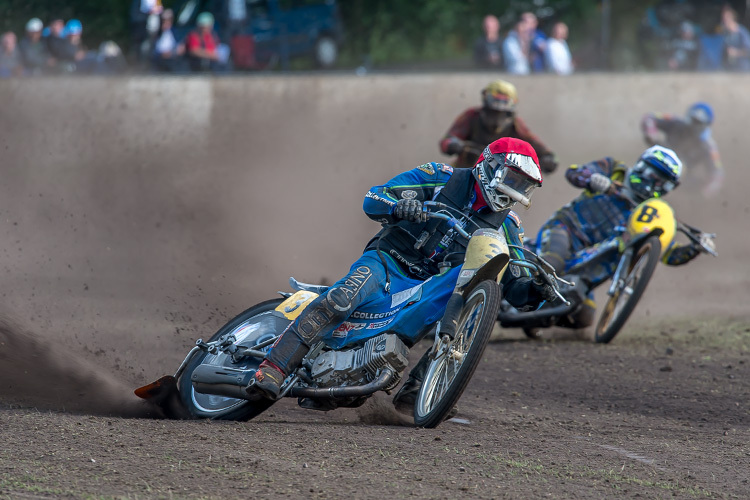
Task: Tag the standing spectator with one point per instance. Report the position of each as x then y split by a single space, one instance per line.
58 46
167 51
684 53
557 56
36 57
516 49
10 59
202 45
736 41
142 14
234 19
489 48
537 42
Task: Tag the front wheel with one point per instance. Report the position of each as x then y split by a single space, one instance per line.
250 327
454 364
621 304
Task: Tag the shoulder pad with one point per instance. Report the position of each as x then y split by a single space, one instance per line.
515 218
445 168
427 168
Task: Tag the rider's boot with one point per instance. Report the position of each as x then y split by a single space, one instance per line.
406 396
285 356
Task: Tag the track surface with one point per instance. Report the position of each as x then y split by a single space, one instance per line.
127 233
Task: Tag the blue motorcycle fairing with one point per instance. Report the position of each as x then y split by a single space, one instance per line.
411 306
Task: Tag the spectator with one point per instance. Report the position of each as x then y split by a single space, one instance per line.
536 42
36 58
58 46
10 59
234 17
202 45
167 52
142 14
685 49
488 49
557 55
736 41
516 49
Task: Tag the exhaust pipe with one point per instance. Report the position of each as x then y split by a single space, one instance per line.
231 383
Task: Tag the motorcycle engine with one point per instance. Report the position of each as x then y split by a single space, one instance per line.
360 365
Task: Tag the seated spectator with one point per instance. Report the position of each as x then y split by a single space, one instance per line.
685 49
488 49
557 54
736 41
203 47
10 59
36 58
167 51
516 49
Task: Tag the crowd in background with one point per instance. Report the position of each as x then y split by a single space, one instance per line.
58 48
525 48
729 49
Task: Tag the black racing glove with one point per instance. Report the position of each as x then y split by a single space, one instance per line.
455 146
410 210
548 162
543 289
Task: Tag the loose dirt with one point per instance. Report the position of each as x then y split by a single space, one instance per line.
126 236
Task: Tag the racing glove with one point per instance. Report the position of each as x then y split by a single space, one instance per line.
599 183
455 146
409 210
543 290
548 162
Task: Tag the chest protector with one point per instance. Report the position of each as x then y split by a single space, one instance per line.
420 247
479 134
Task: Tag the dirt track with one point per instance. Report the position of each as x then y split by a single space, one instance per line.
129 232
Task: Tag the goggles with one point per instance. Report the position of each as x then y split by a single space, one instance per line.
516 177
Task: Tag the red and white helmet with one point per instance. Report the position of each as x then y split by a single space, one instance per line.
507 172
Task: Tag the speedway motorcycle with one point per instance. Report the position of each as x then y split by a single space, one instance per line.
366 354
627 260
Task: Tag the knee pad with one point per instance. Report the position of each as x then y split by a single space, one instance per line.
335 306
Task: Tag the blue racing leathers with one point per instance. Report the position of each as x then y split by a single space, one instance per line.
405 254
593 217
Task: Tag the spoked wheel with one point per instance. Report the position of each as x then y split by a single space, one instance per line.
251 327
454 363
621 304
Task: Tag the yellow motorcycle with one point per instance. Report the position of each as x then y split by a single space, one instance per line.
628 259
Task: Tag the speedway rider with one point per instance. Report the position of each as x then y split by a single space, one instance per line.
496 118
690 137
507 172
595 215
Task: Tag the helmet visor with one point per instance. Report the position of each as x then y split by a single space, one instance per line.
650 182
517 176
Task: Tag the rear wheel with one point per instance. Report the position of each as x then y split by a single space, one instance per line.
622 303
251 327
450 370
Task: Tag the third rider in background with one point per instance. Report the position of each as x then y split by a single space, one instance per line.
496 118
690 137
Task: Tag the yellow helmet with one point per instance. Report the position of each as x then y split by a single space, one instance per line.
500 95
